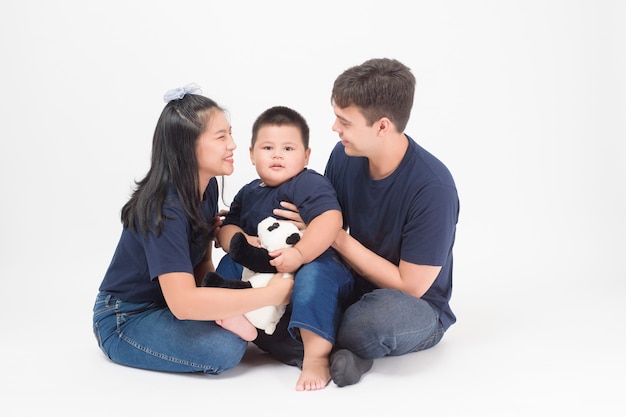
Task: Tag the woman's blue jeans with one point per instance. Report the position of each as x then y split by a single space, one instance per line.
322 289
148 336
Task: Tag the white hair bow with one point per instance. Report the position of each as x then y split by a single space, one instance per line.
178 93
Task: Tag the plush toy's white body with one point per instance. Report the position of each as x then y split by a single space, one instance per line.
272 235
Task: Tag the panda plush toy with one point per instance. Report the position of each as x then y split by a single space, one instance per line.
273 235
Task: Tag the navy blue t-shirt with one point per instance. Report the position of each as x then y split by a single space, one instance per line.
138 260
310 191
409 215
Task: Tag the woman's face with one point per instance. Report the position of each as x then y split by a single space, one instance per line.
214 148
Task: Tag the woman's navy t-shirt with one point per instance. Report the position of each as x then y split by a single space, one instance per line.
139 259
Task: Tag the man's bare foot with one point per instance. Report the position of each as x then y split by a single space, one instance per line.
315 375
240 326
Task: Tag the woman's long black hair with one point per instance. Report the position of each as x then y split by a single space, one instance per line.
173 162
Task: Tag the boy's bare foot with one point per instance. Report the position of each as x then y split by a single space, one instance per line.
315 374
240 326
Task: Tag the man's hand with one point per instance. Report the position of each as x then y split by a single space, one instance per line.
290 212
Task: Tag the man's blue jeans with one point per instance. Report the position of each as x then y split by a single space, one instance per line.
387 322
148 336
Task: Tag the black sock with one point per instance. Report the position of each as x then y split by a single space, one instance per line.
346 368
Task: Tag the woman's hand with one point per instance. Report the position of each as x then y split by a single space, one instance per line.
290 212
282 287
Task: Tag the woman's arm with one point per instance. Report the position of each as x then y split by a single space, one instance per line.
187 301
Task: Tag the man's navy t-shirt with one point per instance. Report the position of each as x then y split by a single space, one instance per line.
409 215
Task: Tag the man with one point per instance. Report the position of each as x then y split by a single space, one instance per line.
400 209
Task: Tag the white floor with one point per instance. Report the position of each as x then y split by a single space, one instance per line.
514 351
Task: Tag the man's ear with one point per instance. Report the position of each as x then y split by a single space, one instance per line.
384 125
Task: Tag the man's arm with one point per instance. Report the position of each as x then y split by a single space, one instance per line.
408 277
414 279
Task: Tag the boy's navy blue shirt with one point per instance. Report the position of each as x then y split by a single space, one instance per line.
310 191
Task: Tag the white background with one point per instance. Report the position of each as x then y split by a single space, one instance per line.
525 101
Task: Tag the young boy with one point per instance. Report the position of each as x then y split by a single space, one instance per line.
280 152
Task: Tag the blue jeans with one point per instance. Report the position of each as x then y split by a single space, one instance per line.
322 289
148 336
387 322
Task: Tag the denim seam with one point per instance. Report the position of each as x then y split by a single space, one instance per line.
432 337
315 330
166 357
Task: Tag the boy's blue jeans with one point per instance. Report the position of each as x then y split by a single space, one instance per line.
322 290
148 336
379 322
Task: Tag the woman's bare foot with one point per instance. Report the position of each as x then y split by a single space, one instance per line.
315 374
240 326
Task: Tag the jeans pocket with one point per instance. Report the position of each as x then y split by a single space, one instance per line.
96 333
103 305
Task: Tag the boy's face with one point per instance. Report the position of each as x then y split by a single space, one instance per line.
279 154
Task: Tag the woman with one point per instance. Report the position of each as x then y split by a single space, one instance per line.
150 311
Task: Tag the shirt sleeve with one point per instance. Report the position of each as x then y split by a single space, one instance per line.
170 251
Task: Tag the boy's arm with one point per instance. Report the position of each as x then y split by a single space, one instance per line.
227 232
206 265
319 235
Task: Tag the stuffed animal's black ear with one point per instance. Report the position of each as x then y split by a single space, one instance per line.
293 238
254 258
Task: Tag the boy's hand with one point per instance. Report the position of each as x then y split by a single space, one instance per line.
287 260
